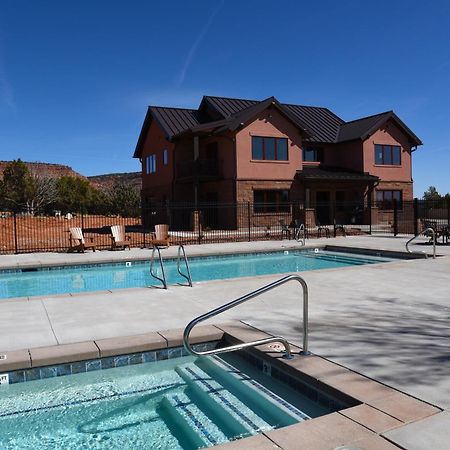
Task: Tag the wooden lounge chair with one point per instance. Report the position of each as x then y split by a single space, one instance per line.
77 243
118 238
161 236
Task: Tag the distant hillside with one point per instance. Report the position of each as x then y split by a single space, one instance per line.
97 181
107 180
45 169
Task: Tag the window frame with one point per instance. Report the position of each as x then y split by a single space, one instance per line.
388 205
150 164
317 150
165 157
271 207
388 148
275 139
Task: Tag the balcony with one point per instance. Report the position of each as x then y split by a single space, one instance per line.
202 169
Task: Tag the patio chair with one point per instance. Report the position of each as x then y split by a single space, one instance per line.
118 238
339 227
77 242
161 237
285 229
322 229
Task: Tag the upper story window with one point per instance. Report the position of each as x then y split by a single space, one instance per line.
385 199
165 157
313 154
150 163
387 155
269 148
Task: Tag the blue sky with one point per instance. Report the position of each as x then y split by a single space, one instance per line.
76 77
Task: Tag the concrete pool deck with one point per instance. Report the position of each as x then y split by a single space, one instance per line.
388 321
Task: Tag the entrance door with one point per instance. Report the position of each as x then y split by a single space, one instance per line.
323 207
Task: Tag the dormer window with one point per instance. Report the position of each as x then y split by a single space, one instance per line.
387 155
312 154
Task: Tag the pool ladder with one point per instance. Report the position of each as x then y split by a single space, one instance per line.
433 233
181 254
243 299
300 234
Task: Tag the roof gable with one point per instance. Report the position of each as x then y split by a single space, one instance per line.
366 126
218 114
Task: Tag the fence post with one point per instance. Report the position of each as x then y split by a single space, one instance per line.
369 205
416 216
248 222
333 206
82 219
448 210
395 217
16 246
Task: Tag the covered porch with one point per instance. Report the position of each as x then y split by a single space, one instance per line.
333 195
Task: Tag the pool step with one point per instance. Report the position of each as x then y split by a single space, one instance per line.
237 416
266 403
338 259
186 414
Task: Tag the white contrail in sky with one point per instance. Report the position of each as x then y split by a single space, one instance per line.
193 49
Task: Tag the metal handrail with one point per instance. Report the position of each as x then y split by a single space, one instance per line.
188 276
301 229
153 274
241 300
433 232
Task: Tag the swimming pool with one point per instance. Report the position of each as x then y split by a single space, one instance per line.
73 279
184 403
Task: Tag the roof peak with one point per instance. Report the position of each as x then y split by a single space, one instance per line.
369 117
172 107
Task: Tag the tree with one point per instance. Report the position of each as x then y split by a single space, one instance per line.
432 194
74 194
124 200
41 193
16 185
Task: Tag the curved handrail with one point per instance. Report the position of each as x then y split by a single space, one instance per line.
241 300
433 232
188 276
163 279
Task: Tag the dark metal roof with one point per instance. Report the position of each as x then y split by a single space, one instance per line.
357 128
318 125
321 122
175 120
366 126
229 106
335 174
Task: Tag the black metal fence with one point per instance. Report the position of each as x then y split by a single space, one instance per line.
220 222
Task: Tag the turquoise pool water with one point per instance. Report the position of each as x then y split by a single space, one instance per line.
185 403
136 274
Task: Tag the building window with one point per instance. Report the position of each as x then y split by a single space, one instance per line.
271 201
387 155
165 157
385 199
313 154
269 148
150 163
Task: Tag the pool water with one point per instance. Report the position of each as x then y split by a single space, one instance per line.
185 403
136 274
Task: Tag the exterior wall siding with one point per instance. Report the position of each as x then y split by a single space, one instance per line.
270 123
389 134
158 184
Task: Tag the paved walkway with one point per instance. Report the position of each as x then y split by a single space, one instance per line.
387 321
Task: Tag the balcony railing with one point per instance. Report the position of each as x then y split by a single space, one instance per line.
201 168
